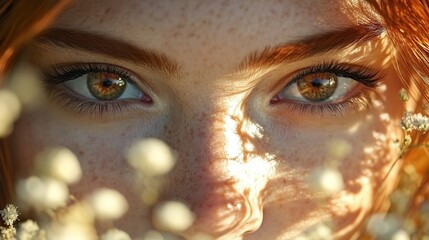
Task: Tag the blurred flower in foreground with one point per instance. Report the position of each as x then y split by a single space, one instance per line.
59 163
386 227
316 232
172 216
29 230
115 234
152 157
10 108
70 232
25 82
107 204
403 94
326 180
337 149
42 193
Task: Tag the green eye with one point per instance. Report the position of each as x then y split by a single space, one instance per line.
106 86
317 86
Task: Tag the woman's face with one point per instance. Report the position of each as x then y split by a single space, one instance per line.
256 98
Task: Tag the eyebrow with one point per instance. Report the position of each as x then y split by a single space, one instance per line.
283 53
323 43
105 45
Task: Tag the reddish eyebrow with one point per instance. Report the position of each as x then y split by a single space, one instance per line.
283 53
310 46
112 47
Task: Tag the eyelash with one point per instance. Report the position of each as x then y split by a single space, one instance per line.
367 76
80 105
62 73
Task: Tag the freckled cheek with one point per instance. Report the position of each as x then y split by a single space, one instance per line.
100 155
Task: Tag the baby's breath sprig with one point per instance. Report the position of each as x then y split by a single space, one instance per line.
404 211
9 216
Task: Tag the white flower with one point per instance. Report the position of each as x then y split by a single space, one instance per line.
42 193
59 163
152 157
10 108
418 122
9 214
326 180
107 204
173 216
404 95
338 149
70 232
7 233
28 230
115 234
382 226
316 232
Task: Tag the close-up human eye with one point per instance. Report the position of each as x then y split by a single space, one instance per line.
327 84
89 86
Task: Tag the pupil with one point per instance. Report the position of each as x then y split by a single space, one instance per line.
317 82
107 82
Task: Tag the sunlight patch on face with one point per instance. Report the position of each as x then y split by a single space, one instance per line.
233 141
348 202
253 173
354 128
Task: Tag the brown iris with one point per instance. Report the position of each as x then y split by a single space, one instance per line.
317 86
106 86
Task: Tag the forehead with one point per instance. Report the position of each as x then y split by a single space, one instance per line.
135 20
205 31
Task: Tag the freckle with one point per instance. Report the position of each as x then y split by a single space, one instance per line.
192 34
81 153
94 178
232 30
107 11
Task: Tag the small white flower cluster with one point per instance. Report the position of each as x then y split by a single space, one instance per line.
47 193
386 226
56 168
9 214
10 108
327 179
153 159
316 232
415 121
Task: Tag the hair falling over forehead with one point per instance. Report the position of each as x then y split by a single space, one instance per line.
20 21
406 25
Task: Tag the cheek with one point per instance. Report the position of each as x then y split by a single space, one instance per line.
99 148
368 154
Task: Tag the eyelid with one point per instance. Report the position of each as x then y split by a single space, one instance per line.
358 99
60 73
363 74
54 83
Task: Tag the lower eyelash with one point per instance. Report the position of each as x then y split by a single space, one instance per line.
354 104
54 79
84 107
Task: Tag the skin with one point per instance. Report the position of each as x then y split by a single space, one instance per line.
210 109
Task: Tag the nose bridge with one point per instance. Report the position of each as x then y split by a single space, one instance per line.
201 178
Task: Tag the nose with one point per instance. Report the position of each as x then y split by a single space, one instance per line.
213 174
